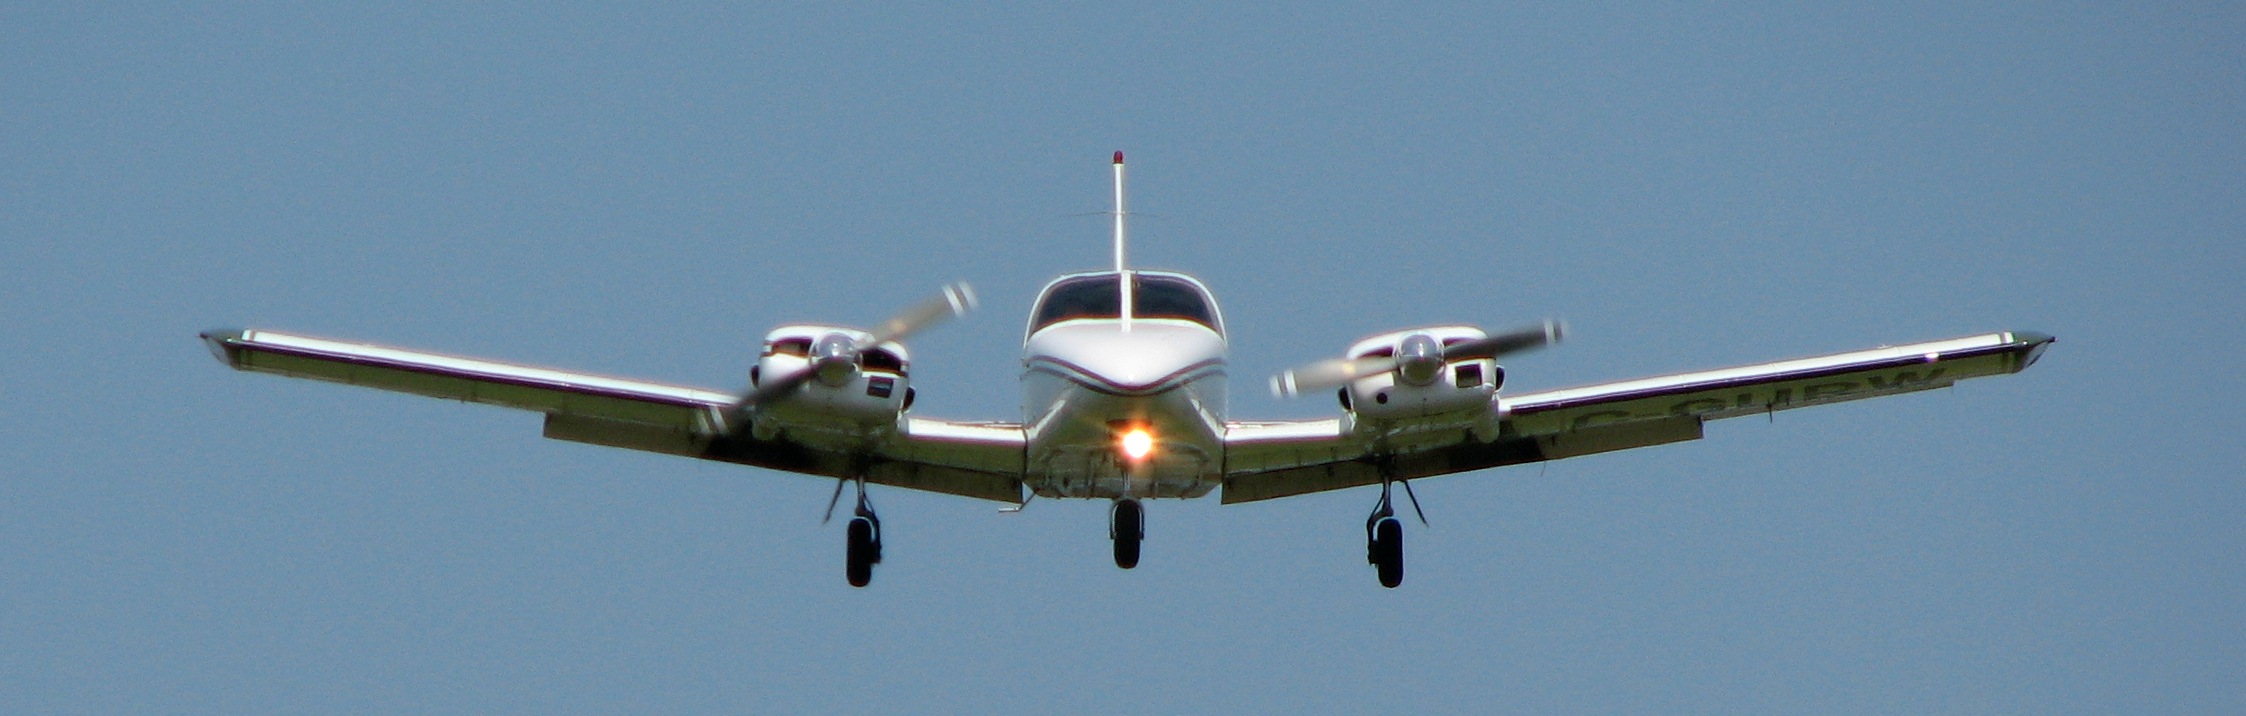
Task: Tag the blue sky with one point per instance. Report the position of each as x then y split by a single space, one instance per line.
644 192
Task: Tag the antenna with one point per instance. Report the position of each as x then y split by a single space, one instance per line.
1122 275
1119 265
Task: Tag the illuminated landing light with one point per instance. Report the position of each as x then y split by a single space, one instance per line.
1136 444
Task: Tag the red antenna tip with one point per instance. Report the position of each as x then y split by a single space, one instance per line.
1119 156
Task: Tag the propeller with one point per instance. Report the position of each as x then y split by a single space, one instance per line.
1415 361
834 358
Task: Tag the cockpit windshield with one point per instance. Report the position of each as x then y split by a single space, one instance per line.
1152 296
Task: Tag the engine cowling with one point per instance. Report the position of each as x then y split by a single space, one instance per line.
1423 386
847 389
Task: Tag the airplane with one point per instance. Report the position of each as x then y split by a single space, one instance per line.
1124 385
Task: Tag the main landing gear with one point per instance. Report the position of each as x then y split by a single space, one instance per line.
1384 536
1126 525
865 541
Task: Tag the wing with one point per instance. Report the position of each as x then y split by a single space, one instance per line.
1279 459
973 459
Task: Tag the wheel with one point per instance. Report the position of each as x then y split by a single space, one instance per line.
1388 552
1128 526
1126 552
858 562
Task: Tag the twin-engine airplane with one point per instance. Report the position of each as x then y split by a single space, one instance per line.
1124 395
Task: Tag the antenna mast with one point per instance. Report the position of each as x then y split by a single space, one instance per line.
1122 275
1119 266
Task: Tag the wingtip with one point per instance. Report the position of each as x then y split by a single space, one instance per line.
2036 343
221 342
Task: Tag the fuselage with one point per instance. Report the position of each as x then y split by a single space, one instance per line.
1101 360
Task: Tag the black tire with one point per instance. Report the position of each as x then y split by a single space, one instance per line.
1127 553
858 561
1388 552
1128 528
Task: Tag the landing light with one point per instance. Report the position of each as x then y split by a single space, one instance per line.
1137 444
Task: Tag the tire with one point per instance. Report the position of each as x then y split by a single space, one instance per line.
1126 553
859 558
1128 528
1388 552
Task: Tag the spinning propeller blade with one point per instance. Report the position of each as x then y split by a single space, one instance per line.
1336 372
1513 341
955 300
1328 374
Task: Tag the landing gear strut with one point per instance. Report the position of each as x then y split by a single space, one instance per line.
1126 525
1384 536
865 542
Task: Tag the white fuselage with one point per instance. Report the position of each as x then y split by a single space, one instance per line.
1086 381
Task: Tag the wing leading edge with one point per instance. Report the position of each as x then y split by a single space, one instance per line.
1281 459
982 460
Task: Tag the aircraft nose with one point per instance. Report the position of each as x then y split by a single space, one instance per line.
1146 358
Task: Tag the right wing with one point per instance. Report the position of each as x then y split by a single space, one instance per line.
972 459
1279 459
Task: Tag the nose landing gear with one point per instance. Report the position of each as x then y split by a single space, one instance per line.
1126 525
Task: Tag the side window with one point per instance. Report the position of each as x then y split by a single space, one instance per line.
797 346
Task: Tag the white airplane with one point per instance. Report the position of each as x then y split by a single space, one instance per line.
1124 395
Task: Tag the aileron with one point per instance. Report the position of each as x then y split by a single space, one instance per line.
465 379
1781 385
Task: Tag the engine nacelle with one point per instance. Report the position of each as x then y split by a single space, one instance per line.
1423 386
847 390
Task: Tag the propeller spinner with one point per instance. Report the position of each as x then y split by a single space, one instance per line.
1417 361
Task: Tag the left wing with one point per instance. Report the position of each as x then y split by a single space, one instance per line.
1279 459
978 459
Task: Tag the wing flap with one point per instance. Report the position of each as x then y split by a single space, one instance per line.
992 447
904 464
1467 456
626 434
1278 445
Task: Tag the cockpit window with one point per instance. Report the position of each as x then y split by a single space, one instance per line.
1080 297
1152 296
1166 297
